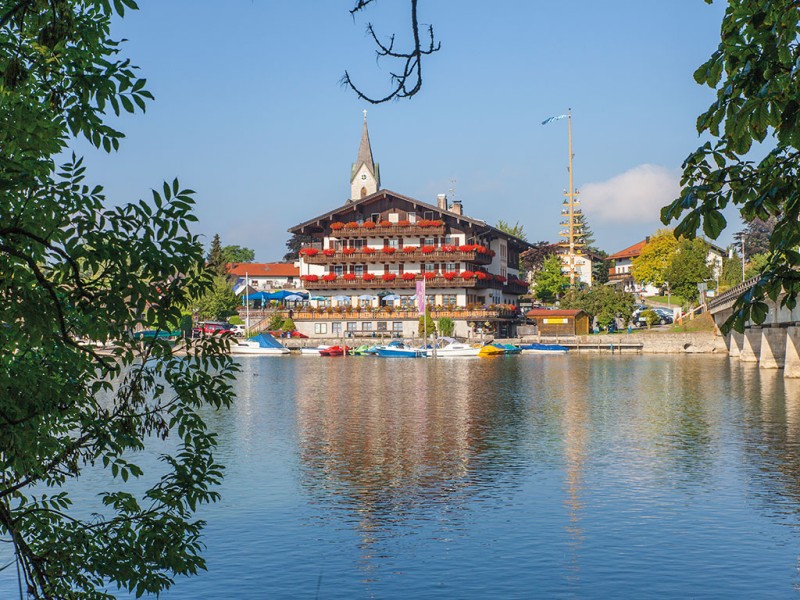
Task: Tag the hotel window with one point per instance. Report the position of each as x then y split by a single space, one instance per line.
503 251
407 302
337 244
338 270
448 299
320 328
429 241
394 243
430 267
358 244
382 326
502 271
428 215
367 326
394 217
430 299
394 269
364 303
451 267
450 240
359 270
336 328
352 326
375 217
397 326
412 217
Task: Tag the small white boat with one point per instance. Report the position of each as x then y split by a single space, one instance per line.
312 351
543 349
456 349
263 344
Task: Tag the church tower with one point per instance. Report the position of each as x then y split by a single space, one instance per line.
365 176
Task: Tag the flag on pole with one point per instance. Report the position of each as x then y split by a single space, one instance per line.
421 296
551 119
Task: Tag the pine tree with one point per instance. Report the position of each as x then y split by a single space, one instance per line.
215 257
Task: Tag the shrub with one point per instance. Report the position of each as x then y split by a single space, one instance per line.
236 320
288 325
446 326
426 323
650 317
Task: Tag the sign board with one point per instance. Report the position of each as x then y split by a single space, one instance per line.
552 321
701 287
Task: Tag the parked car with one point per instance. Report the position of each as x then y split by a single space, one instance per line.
665 316
211 327
238 330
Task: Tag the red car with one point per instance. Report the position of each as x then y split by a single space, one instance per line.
210 327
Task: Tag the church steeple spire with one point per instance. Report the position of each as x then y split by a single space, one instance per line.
365 178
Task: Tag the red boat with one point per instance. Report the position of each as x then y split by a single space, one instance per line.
335 351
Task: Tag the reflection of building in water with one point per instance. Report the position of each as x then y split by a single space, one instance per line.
391 440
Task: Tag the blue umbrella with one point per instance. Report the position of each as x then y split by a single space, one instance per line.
391 297
293 298
318 298
341 298
366 297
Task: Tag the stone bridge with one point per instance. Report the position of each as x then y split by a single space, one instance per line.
775 344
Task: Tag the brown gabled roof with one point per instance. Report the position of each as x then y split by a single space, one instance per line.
350 205
264 269
630 252
561 312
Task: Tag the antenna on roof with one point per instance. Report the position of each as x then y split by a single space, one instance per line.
452 191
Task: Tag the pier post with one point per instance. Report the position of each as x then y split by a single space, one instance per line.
751 346
734 341
773 348
791 367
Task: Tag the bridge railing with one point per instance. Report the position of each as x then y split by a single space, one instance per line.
733 293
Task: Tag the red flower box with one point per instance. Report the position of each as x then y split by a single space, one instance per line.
367 250
388 276
329 277
385 223
309 278
368 276
349 276
409 276
329 252
308 252
436 223
351 225
449 275
430 275
423 223
481 275
466 248
403 223
409 249
449 248
369 225
500 278
481 249
467 275
388 250
336 225
348 251
427 249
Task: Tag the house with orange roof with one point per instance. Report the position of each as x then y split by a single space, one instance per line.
265 276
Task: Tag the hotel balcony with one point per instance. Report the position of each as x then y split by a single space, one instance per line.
399 283
392 231
386 312
398 256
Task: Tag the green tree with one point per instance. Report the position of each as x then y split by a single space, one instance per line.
532 259
446 326
650 317
74 268
288 325
586 232
550 282
215 259
516 229
756 265
294 243
754 72
237 254
688 268
603 302
219 302
652 264
426 323
731 271
600 267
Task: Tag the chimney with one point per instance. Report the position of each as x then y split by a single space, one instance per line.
457 208
441 201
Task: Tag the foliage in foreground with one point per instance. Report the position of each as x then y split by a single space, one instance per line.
72 273
754 71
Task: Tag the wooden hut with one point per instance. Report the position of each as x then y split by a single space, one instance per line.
560 322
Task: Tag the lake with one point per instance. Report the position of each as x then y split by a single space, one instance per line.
580 476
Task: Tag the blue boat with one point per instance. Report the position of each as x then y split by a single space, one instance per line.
398 349
543 349
509 348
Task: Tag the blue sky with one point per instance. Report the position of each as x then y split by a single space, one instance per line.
250 114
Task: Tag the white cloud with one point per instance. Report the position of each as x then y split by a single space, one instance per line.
635 196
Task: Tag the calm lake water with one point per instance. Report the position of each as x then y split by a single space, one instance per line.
532 476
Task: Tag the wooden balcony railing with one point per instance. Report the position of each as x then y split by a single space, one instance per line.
393 231
379 284
341 314
398 256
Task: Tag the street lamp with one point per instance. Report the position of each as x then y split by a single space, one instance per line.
740 238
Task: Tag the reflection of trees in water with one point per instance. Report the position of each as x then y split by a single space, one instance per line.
388 440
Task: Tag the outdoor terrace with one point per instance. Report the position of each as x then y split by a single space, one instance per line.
387 230
379 283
